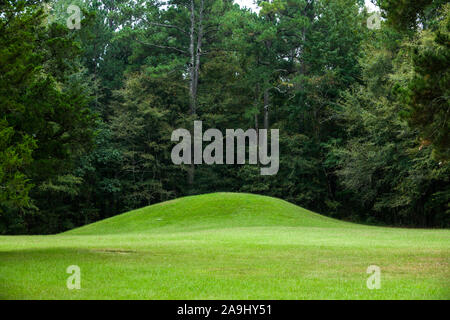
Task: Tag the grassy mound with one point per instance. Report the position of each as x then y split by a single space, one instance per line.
227 246
217 210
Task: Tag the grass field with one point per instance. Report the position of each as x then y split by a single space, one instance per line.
227 246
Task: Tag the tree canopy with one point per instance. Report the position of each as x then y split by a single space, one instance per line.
86 114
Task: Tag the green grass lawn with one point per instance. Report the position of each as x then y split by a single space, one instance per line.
227 246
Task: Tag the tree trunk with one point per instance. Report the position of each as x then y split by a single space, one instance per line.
257 109
266 109
192 96
195 54
199 49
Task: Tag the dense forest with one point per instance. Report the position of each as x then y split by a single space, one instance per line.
87 109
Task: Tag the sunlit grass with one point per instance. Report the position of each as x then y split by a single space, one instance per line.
227 246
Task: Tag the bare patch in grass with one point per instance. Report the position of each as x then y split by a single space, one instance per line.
115 251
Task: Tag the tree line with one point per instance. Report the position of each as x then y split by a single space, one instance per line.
86 115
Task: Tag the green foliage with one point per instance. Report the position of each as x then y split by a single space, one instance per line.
14 156
44 100
410 14
382 163
86 115
141 131
426 96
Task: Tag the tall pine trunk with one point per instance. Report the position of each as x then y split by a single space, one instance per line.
195 53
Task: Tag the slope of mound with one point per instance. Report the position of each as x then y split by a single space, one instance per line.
217 210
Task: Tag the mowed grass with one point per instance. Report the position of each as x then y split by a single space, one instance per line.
227 246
